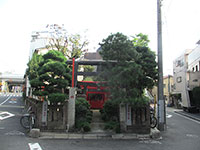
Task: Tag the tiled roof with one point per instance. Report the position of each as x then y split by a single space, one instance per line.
93 56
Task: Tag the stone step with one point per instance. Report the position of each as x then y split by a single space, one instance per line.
97 125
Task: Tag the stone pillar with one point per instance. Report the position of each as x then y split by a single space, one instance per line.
71 108
122 117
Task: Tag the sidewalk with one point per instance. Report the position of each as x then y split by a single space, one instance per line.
194 116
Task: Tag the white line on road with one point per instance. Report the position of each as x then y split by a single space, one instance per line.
168 116
34 146
192 135
14 133
150 142
6 100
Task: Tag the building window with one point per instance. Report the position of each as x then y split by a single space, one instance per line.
197 68
179 63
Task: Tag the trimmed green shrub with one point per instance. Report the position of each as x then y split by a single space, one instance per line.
57 97
110 111
112 125
83 115
86 127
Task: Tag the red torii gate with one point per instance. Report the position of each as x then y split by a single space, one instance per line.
95 93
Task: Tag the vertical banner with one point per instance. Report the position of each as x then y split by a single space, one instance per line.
44 113
128 115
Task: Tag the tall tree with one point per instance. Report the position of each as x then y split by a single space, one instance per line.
146 58
133 71
140 40
53 77
33 66
72 46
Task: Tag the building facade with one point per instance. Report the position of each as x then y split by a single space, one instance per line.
186 72
167 87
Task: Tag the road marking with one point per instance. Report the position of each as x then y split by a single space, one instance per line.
34 146
11 106
14 133
192 135
12 102
150 142
6 100
11 94
5 115
168 116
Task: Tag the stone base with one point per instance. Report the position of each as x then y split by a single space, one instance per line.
34 133
155 133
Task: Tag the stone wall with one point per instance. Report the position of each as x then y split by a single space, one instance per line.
56 115
134 120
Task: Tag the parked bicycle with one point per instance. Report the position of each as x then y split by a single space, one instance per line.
153 119
28 120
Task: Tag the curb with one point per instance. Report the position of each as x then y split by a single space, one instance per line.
49 135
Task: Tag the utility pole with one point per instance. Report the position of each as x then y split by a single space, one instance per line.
161 101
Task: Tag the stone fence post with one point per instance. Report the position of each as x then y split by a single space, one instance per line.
71 108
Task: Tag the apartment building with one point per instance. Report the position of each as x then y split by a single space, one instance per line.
186 72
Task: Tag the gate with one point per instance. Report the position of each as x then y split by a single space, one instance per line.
95 93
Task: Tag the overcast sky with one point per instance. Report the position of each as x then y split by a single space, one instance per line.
96 19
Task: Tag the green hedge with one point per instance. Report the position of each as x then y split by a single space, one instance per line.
83 115
110 111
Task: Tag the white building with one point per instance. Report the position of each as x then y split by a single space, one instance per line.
39 41
194 59
186 72
194 67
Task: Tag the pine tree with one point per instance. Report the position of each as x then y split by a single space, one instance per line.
134 68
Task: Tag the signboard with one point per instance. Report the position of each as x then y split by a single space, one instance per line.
44 112
128 115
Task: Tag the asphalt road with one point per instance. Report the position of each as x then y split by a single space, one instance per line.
182 133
